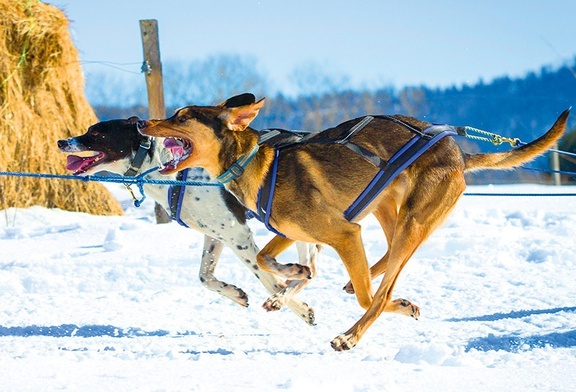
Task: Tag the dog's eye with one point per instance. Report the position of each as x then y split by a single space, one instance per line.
182 118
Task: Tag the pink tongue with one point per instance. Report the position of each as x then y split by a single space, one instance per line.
175 148
74 162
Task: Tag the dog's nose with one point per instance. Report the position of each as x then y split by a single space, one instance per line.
62 144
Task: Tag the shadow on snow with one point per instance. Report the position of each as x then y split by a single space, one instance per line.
514 314
514 343
87 331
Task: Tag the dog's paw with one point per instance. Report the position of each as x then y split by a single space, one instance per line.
303 310
310 318
407 308
295 271
277 302
348 288
239 296
344 342
273 303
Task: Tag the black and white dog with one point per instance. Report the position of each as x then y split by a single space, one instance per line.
119 148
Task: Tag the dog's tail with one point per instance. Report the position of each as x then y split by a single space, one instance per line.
518 156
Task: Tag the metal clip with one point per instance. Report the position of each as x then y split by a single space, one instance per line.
498 139
145 68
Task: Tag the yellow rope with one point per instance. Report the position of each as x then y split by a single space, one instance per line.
493 138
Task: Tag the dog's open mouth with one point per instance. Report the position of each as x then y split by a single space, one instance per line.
181 149
78 165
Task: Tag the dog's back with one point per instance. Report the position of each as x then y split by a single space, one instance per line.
325 177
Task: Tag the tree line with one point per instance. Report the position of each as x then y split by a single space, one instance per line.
523 107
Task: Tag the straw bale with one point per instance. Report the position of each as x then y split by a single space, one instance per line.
41 101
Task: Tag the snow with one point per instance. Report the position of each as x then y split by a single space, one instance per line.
114 303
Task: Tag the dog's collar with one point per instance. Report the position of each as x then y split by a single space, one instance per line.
237 168
136 164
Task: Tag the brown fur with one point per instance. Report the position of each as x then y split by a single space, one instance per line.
318 182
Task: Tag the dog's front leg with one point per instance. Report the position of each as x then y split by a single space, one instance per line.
210 256
346 240
387 214
267 260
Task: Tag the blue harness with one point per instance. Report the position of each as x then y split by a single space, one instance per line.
389 170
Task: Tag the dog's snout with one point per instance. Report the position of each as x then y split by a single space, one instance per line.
69 145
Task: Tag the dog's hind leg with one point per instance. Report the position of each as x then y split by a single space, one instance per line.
307 254
417 219
210 256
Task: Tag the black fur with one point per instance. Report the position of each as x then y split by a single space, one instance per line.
234 206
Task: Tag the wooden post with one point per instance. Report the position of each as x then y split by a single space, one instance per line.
152 68
556 165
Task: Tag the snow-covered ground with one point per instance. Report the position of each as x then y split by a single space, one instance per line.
114 303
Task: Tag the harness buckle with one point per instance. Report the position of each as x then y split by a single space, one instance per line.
131 172
236 170
146 143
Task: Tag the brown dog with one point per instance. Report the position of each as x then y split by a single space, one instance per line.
317 182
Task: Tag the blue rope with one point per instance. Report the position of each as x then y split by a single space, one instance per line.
553 150
568 173
137 180
518 194
140 180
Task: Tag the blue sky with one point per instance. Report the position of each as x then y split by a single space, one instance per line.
373 43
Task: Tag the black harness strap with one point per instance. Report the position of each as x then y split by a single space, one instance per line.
136 164
145 146
277 138
175 196
344 140
280 139
266 195
366 154
397 163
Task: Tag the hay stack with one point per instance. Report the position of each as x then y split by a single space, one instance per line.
42 100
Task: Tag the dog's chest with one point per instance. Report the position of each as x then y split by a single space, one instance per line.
205 209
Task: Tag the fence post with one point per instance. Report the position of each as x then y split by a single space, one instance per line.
556 166
152 69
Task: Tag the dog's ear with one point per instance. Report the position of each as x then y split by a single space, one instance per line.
238 100
133 119
238 118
